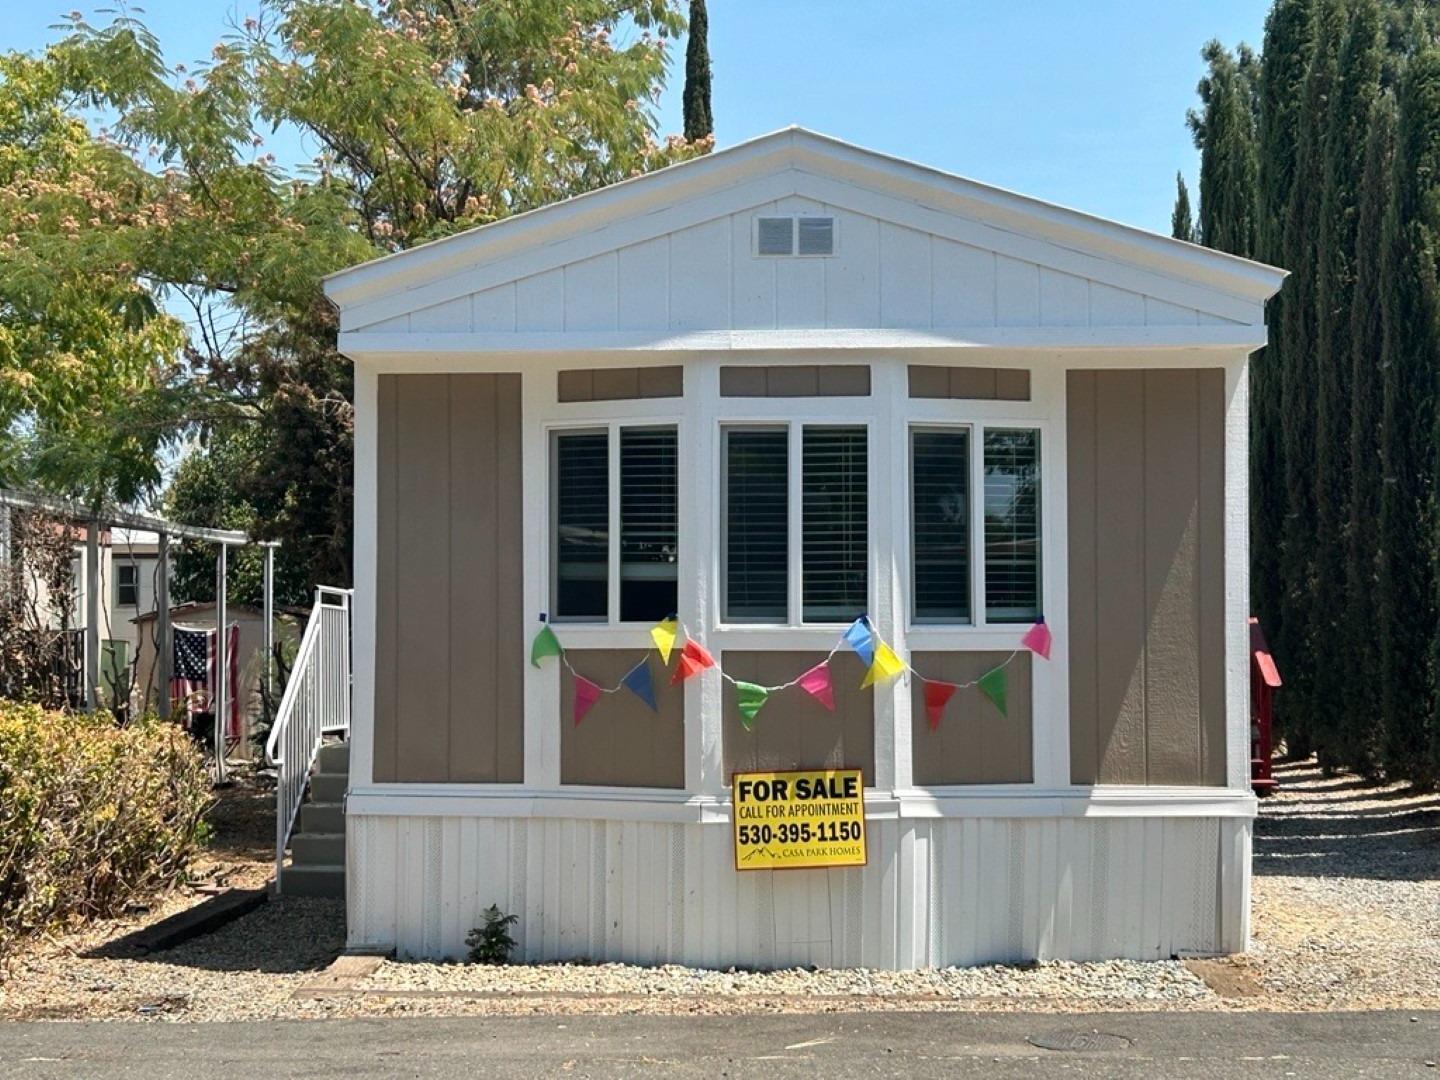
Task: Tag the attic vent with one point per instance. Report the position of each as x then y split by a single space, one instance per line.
776 236
795 236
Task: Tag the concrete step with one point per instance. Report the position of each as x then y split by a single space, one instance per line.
312 881
322 817
334 758
328 787
317 849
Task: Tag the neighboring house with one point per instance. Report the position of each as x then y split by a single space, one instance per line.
773 389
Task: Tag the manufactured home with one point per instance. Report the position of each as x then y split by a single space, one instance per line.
801 457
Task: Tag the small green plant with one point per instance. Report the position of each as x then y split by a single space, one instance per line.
492 943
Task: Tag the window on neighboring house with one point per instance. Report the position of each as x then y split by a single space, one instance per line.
647 526
1012 525
940 524
834 536
127 585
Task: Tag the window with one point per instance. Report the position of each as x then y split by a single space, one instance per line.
649 516
940 525
757 524
1012 525
647 525
808 236
127 585
834 518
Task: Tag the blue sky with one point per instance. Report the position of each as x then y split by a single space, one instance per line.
1079 103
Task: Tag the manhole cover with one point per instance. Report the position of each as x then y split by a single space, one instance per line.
1082 1041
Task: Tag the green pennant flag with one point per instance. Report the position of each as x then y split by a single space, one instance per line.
992 685
749 698
545 644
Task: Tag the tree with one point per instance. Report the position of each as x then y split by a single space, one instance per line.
1407 602
1349 112
1360 739
1182 221
1224 133
699 124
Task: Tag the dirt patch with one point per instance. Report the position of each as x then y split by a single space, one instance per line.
1226 978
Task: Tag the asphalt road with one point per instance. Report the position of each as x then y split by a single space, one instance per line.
835 1047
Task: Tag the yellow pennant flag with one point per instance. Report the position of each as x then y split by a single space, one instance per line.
663 634
884 667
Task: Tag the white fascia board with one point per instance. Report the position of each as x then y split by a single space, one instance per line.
490 245
360 345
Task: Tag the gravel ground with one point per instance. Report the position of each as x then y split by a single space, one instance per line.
1346 916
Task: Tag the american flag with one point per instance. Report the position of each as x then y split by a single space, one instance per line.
194 673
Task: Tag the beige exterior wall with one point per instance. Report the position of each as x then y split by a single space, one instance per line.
620 384
449 648
796 380
1146 466
969 383
974 744
621 743
793 730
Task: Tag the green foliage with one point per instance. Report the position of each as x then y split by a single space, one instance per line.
699 123
1182 219
92 816
492 943
1224 132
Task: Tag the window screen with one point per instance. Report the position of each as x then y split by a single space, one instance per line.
582 525
1012 525
940 524
817 236
127 585
649 532
775 236
757 515
834 524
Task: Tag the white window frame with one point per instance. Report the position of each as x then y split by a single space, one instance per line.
611 428
120 568
979 610
795 534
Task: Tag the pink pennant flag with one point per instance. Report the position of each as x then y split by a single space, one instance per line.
1037 640
816 683
586 694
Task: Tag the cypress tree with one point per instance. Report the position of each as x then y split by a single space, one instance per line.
696 99
1348 112
1360 737
1296 639
1182 221
1224 132
1411 342
1284 59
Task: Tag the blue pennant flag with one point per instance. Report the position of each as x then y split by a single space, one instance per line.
637 681
859 638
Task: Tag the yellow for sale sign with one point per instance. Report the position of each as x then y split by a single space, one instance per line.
792 820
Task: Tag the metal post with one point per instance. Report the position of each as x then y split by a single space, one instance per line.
164 644
218 699
92 615
267 637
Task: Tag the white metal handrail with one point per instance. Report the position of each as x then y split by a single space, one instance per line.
316 702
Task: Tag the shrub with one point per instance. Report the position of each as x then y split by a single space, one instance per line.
492 943
92 816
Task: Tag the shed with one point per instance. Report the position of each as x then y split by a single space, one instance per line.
772 391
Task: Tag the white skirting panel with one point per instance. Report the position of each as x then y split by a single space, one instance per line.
936 892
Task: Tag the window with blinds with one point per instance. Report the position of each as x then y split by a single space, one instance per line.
835 512
757 517
649 531
581 517
1012 525
940 525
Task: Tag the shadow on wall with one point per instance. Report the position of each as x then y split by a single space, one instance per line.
1345 827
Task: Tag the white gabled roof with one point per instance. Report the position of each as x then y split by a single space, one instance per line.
645 206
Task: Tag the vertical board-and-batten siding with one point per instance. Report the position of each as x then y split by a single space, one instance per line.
621 742
936 891
449 621
882 275
1146 518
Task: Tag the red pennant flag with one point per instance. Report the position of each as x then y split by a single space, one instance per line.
586 694
693 659
937 694
1037 640
816 683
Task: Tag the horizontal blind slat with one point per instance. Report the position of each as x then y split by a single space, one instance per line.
1012 525
834 523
